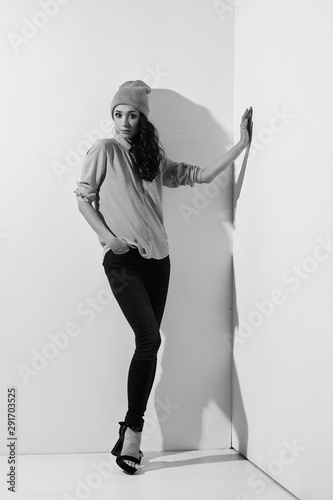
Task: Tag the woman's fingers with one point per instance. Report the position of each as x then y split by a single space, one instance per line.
246 112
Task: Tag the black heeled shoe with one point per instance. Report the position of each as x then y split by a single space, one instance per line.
116 450
120 460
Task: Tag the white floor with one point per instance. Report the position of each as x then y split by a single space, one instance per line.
194 475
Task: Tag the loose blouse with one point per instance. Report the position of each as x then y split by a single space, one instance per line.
130 207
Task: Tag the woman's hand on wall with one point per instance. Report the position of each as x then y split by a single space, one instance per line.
246 127
211 171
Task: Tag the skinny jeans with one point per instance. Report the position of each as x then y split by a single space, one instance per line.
140 287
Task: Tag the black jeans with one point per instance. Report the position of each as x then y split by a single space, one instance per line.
140 287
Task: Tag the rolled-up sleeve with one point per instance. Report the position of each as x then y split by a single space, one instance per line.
180 174
93 170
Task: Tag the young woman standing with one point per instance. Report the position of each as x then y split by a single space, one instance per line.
120 196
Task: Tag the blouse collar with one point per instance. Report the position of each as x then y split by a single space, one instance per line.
121 140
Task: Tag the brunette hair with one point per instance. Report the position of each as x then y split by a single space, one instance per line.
146 150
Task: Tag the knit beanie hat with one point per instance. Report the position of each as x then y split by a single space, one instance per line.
133 93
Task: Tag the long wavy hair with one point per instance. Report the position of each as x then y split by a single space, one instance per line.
146 151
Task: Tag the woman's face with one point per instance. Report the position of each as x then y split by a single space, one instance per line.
127 120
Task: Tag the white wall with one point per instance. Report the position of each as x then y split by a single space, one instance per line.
57 87
282 409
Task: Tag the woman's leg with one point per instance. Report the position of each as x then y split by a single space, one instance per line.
156 282
140 287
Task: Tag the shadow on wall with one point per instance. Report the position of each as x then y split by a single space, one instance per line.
239 420
238 415
196 362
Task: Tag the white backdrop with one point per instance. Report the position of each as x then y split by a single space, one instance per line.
65 344
282 398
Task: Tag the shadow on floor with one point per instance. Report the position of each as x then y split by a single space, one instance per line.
151 463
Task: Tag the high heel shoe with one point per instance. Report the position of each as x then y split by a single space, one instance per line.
121 461
116 450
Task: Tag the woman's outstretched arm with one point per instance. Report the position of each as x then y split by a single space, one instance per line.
211 171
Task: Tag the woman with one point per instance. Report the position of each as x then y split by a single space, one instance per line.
120 196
